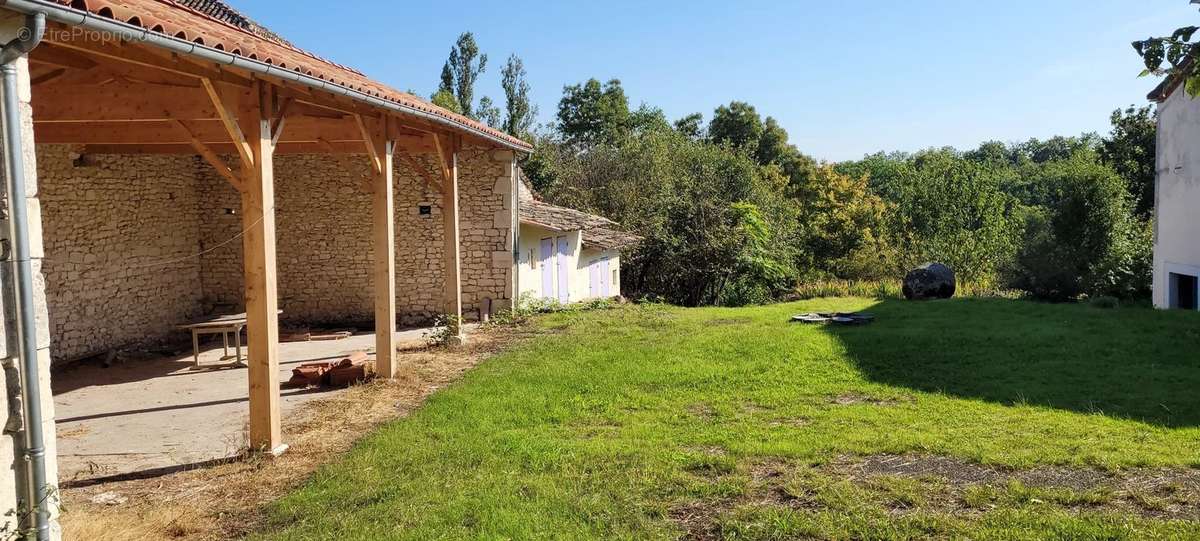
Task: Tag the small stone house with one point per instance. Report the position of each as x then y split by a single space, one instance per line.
1177 198
566 255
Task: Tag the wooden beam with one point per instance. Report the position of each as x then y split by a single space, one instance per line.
326 144
229 118
442 146
451 230
53 55
262 301
212 158
384 249
346 148
421 171
48 76
120 101
138 55
280 121
209 131
372 149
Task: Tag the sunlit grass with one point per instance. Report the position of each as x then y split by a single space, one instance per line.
611 425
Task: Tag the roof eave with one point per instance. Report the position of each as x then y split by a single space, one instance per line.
133 33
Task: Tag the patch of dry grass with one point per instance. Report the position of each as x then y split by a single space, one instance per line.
226 500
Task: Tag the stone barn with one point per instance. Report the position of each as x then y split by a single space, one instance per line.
167 161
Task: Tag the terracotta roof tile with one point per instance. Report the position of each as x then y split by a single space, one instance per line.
215 24
598 231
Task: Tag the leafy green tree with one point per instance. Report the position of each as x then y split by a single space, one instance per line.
520 111
844 226
646 119
591 113
773 146
487 112
737 125
1085 239
954 211
1130 150
717 229
446 100
461 70
691 126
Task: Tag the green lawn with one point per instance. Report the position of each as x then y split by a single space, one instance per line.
662 423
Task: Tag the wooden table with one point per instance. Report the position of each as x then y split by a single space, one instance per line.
223 325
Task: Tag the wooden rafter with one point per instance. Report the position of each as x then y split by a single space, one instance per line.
372 151
212 158
48 76
145 56
229 119
58 56
444 147
280 121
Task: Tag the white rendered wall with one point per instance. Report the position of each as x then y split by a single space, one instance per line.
1177 191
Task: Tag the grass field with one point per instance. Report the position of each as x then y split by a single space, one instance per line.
976 418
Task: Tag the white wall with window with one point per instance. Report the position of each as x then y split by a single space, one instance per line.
1177 203
559 265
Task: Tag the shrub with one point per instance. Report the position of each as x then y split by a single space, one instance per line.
1085 240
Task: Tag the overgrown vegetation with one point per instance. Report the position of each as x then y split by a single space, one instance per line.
734 214
960 419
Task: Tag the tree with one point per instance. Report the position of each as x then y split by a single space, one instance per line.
488 113
519 111
1130 150
773 144
738 125
461 70
1085 239
717 228
844 226
591 113
954 211
691 126
446 100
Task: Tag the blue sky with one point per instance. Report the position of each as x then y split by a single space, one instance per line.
844 78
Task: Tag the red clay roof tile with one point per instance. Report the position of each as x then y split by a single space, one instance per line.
224 29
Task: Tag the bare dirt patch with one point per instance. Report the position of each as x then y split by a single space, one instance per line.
900 484
226 500
849 399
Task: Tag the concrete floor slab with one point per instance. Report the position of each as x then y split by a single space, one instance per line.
159 414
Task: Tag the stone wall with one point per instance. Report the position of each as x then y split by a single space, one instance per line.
323 243
486 192
120 235
139 244
323 223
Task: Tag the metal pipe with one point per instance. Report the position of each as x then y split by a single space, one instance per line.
35 447
129 32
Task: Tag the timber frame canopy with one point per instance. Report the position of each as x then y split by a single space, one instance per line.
153 85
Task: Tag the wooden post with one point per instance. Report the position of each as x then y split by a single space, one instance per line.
448 153
258 253
384 242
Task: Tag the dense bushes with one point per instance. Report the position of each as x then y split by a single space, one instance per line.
735 214
1085 239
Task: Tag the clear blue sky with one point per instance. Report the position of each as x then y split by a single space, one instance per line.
844 78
